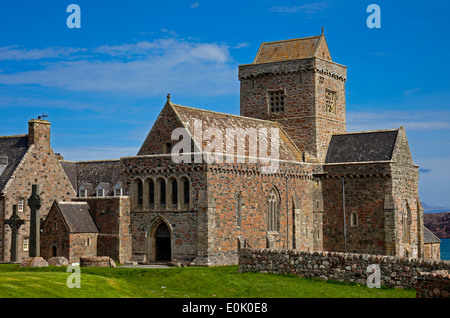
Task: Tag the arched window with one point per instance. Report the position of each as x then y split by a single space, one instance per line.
174 192
151 192
239 204
186 195
407 225
138 192
162 192
353 219
273 209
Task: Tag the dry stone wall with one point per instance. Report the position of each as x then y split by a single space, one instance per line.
347 267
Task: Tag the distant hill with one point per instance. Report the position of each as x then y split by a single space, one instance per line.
433 209
438 223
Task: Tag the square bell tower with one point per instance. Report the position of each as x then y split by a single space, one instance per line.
295 83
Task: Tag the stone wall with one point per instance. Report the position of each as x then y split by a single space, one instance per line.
82 245
433 285
346 267
39 166
366 185
293 185
432 250
305 83
97 261
112 218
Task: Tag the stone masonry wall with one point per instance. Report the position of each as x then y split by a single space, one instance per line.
406 201
293 184
39 166
180 219
305 83
82 245
347 267
366 186
433 285
55 235
112 217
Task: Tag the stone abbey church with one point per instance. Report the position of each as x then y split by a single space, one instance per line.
332 190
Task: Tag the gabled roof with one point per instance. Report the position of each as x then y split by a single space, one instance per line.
14 148
286 50
105 172
221 121
77 217
429 237
362 146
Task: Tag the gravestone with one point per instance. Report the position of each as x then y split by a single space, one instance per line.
15 223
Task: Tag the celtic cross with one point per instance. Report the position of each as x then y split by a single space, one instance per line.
14 222
34 202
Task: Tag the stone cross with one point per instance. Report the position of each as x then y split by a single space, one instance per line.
14 222
34 202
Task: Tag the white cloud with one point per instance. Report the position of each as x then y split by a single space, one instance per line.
145 68
195 5
306 8
414 121
18 54
409 92
170 32
241 45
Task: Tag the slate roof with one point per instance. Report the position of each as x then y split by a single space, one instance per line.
429 237
14 148
77 217
287 50
93 173
187 115
362 146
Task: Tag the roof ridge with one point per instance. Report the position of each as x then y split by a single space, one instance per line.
366 132
71 202
14 136
227 114
296 39
90 161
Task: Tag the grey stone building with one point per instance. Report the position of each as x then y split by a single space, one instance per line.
310 185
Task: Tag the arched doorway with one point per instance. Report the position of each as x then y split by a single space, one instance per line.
162 243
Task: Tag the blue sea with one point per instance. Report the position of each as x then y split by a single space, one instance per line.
445 249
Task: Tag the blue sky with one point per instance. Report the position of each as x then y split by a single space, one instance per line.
103 85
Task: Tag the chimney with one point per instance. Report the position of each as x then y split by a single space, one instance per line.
38 133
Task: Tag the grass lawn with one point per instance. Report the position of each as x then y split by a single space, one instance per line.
189 282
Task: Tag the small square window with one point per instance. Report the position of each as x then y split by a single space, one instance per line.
167 147
26 244
20 205
354 219
330 101
276 101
